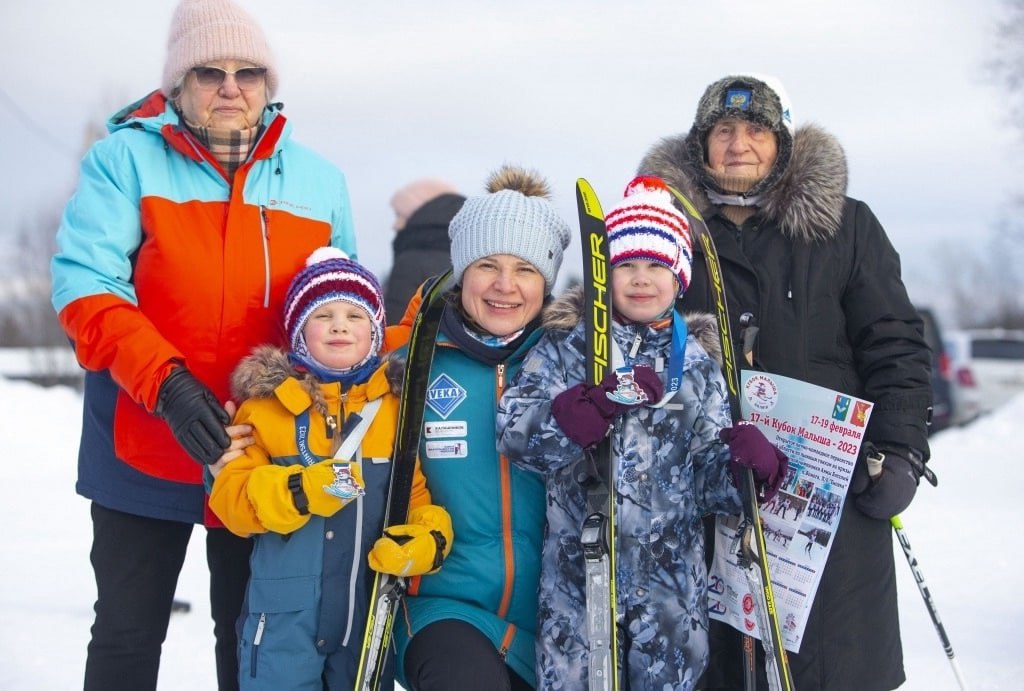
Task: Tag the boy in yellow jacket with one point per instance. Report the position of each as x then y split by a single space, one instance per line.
323 417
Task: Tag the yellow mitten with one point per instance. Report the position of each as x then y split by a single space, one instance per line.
329 485
283 497
417 547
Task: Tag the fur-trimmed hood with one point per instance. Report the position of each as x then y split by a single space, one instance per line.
807 201
565 313
259 374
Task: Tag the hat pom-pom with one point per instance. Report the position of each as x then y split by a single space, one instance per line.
645 183
323 254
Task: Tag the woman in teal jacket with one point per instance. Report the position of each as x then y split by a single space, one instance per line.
473 624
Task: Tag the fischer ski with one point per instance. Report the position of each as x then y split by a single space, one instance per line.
387 589
753 552
597 535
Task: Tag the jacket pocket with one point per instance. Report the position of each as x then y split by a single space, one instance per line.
283 607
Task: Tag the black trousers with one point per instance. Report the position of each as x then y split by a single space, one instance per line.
453 655
136 562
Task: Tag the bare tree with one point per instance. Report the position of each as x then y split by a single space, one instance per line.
987 287
1007 65
28 317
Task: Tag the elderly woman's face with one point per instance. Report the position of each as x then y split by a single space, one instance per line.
502 293
224 99
740 147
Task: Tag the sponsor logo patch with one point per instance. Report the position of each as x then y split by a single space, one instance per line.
456 448
440 429
445 395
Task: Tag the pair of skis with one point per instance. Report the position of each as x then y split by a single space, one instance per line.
598 535
388 589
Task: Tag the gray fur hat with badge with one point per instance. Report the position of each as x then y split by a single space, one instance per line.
753 97
514 217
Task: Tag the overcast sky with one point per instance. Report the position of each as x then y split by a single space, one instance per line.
396 90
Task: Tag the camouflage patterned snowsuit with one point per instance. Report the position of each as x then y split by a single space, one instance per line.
670 469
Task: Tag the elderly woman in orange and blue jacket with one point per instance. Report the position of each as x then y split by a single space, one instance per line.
173 257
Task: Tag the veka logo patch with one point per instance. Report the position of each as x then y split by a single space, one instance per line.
445 395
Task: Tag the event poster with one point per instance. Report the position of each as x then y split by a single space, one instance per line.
821 431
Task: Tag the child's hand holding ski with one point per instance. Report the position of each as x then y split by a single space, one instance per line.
751 449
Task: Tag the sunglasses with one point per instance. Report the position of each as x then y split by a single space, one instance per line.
245 78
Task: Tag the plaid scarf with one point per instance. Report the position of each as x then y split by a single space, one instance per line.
231 148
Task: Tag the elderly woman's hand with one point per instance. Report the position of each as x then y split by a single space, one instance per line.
241 437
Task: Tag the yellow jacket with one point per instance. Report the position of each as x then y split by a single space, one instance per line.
251 494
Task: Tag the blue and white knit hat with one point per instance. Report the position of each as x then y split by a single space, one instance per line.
646 225
515 217
330 275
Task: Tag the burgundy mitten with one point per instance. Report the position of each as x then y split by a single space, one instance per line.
751 449
585 413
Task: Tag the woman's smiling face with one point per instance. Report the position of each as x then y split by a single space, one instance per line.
502 293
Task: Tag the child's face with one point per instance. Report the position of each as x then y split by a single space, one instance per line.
642 290
338 334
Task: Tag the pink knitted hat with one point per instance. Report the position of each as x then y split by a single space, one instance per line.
206 30
647 226
408 199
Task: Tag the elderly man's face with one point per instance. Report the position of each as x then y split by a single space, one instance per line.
739 147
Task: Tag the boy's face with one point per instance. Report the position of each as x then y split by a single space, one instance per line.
642 291
338 334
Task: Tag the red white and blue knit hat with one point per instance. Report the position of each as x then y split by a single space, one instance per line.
647 226
330 275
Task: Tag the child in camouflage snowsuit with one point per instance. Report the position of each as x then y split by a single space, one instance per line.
670 463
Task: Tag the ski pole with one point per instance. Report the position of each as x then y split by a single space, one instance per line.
901 535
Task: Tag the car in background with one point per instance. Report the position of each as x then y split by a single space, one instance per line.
997 359
942 387
966 394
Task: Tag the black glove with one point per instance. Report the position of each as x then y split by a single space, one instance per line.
194 415
885 482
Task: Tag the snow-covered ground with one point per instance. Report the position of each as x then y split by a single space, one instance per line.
967 534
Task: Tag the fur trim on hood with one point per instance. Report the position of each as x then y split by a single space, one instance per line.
807 201
259 374
564 313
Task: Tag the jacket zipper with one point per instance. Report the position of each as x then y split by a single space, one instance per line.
505 474
265 232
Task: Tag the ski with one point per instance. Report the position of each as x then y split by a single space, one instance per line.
753 553
387 589
597 535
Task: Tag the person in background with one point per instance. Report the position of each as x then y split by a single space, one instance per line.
472 625
421 249
308 596
814 270
173 257
675 453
